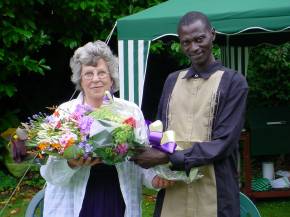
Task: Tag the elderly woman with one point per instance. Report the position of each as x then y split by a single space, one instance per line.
87 187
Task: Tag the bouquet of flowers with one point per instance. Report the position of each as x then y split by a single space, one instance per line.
165 142
106 132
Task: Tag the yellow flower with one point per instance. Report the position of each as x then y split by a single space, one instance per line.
42 146
70 142
56 146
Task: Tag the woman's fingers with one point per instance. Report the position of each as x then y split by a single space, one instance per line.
159 182
163 183
78 162
96 161
171 183
87 161
92 161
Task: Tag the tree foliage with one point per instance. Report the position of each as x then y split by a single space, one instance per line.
269 75
28 26
21 39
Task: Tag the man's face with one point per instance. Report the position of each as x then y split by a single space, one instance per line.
196 43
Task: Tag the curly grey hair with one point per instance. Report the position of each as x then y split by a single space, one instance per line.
89 54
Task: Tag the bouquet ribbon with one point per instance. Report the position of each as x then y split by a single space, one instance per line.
166 142
163 141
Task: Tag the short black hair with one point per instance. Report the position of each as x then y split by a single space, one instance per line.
191 17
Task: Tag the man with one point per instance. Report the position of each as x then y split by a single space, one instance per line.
204 105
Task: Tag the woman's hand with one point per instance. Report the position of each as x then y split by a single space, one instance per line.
158 182
78 162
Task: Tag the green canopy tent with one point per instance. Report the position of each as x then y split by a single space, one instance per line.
235 21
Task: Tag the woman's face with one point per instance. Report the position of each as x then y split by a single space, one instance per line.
95 80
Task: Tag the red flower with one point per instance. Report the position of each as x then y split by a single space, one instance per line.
130 121
58 125
56 113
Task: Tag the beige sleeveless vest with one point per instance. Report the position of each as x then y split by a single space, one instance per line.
191 110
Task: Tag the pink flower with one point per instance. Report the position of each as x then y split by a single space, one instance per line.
121 149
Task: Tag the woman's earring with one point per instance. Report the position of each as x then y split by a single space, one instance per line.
112 89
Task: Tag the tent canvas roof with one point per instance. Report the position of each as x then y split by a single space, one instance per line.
227 17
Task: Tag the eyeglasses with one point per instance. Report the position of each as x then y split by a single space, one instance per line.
90 75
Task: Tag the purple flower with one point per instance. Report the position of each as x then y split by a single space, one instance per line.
82 109
86 147
50 119
108 98
85 123
35 116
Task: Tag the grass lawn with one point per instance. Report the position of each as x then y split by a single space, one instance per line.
274 207
267 208
148 202
18 204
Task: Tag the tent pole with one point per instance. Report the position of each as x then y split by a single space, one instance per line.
227 51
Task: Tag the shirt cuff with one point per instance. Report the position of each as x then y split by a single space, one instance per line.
177 160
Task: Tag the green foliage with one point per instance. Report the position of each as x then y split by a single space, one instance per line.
31 25
7 182
172 48
123 134
178 54
268 75
2 148
216 51
70 152
105 113
35 181
21 39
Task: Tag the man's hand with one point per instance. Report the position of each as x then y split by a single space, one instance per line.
149 157
78 162
159 182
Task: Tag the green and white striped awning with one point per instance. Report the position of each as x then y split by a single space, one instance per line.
133 56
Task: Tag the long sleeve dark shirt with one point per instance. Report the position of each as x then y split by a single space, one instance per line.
222 150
